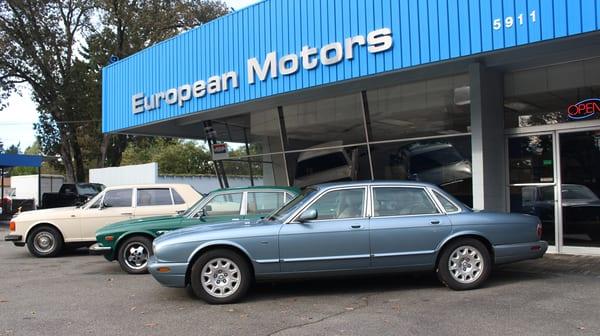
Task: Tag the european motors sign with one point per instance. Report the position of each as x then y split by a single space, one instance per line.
272 67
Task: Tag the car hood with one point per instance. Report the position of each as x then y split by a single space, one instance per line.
136 222
212 227
47 213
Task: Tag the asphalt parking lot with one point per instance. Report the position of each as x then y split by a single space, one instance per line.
82 294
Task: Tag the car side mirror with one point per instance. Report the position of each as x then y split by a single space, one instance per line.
308 215
104 205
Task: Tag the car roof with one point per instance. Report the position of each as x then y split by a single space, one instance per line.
375 182
291 189
158 185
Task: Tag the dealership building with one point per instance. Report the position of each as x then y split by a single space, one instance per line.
496 101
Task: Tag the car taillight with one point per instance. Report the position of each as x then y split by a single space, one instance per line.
12 226
539 230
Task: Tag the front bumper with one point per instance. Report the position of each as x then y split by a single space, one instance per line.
517 252
13 238
174 277
98 249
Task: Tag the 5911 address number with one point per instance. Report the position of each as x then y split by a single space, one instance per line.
511 21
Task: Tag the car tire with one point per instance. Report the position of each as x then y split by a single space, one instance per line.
464 264
133 254
220 277
45 242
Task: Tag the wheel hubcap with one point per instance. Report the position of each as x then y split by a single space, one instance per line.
221 277
44 242
466 264
135 255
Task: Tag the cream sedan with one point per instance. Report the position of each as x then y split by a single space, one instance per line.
46 232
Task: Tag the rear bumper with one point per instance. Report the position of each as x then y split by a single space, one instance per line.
517 252
98 249
174 277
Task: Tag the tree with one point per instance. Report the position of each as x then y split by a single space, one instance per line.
39 40
52 47
128 27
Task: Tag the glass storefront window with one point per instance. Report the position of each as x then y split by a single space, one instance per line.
426 108
262 170
551 95
329 165
445 162
325 123
260 129
580 190
531 159
537 201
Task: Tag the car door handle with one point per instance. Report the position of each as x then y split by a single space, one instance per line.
435 222
127 213
356 226
235 219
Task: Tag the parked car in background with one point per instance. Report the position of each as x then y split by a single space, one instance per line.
326 165
580 206
130 242
345 228
11 204
71 194
46 232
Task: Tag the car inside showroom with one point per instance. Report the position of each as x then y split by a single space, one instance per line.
496 102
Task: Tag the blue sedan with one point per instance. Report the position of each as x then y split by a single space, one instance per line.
340 228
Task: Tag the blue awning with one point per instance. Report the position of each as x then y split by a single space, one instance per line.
18 160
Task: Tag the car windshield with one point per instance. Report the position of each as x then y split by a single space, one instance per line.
88 189
194 208
291 206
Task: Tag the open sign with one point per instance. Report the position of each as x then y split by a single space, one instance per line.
584 109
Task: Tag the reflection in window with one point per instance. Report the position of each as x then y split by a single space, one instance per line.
118 198
224 205
263 202
443 162
425 108
402 202
340 204
542 96
147 197
316 124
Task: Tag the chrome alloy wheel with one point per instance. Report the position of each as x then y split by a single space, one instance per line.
466 264
221 277
135 255
44 242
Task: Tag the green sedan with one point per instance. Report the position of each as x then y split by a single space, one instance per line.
130 242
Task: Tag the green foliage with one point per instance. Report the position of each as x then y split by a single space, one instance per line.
174 157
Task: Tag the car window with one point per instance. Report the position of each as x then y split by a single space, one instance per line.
263 202
401 202
154 196
448 206
225 204
340 204
118 198
177 198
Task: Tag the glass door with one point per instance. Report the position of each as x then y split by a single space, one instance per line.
580 188
532 180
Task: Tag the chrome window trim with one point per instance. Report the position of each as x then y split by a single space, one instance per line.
435 194
425 189
292 218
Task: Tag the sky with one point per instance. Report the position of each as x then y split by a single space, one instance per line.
16 121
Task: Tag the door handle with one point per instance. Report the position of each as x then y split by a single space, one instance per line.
435 222
235 219
356 226
127 213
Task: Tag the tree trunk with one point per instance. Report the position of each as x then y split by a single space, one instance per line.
103 150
